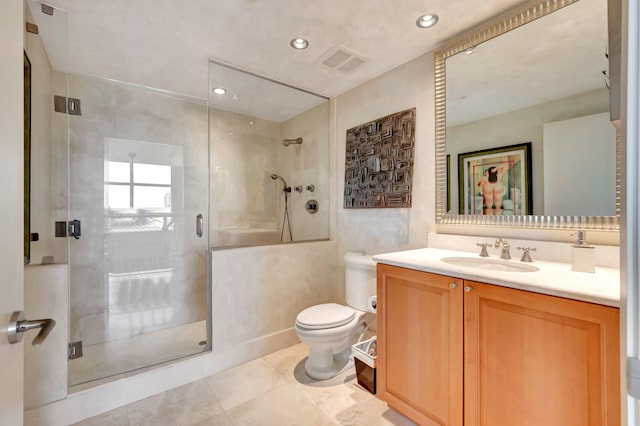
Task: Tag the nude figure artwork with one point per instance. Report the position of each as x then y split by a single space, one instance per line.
493 190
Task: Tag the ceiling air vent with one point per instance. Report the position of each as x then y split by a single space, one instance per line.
342 59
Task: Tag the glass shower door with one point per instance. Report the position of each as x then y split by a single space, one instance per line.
138 185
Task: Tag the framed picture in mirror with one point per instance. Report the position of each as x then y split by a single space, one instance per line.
496 181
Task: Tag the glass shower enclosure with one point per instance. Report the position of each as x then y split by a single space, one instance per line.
138 183
269 160
122 197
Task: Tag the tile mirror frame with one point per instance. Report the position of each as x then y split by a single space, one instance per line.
501 25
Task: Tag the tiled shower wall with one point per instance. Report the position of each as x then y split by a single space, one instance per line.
247 206
304 165
244 207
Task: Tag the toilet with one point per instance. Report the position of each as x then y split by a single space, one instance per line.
330 329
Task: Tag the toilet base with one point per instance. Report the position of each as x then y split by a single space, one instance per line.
323 365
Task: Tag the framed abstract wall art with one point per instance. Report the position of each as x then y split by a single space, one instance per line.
379 162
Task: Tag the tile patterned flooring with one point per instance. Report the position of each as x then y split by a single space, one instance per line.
272 390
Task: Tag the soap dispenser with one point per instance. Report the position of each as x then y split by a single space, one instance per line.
583 255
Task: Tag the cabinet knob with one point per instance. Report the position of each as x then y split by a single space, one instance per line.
468 288
453 285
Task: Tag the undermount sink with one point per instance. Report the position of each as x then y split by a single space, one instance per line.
490 264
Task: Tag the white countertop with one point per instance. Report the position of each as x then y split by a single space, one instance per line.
553 278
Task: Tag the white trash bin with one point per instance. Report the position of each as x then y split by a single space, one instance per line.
364 356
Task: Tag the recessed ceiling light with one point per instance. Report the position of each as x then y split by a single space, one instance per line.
219 91
299 43
427 20
469 50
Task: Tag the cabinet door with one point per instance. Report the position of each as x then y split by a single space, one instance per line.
532 359
420 345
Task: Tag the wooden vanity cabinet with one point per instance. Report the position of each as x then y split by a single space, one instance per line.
533 359
527 358
419 365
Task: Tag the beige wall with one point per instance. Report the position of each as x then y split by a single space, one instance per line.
258 291
385 230
243 195
304 165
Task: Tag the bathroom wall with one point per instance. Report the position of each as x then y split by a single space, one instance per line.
384 230
304 165
521 126
46 296
567 193
257 292
244 208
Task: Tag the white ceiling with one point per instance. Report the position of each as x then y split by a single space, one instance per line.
166 44
560 55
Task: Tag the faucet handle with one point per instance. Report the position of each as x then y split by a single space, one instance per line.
483 252
526 257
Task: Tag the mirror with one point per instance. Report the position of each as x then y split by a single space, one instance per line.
523 136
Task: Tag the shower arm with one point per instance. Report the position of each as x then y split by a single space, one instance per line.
296 141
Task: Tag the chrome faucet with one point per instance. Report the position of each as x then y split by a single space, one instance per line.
505 254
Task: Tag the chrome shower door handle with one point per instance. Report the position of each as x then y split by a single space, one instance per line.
18 325
199 225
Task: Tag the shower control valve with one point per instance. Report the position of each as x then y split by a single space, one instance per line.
298 189
311 188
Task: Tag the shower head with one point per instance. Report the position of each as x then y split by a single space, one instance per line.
296 141
286 188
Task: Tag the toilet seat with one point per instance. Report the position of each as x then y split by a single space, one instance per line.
327 315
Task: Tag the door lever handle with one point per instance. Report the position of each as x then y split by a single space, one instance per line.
18 325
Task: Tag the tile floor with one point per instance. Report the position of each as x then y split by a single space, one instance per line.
273 390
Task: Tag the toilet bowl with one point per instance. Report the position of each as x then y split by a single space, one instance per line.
330 329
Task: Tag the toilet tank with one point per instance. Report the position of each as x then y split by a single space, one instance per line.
359 279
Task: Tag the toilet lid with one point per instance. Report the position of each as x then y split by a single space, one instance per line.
327 315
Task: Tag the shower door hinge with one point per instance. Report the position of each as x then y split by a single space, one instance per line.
31 28
75 350
64 105
71 229
46 9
